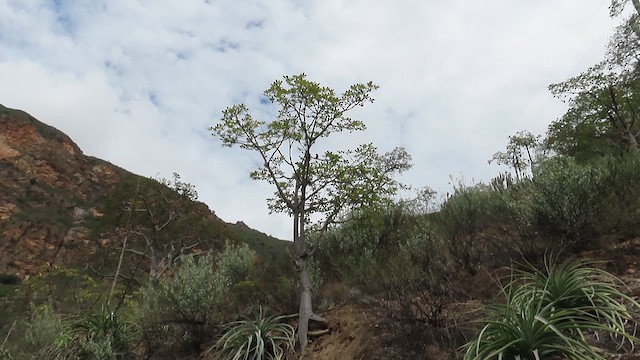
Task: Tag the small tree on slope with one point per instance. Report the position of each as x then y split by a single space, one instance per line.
309 183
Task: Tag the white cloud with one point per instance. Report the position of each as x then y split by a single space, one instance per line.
138 82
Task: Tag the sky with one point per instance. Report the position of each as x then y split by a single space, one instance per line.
139 82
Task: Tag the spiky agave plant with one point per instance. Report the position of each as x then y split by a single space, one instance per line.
596 297
103 332
528 331
262 338
547 311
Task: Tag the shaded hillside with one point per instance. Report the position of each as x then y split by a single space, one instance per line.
267 246
59 207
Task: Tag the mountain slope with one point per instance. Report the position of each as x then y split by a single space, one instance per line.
59 207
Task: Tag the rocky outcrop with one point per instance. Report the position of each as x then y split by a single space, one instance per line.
59 207
44 177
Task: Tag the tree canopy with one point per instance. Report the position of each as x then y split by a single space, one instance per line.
604 104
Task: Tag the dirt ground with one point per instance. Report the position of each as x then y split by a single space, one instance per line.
358 331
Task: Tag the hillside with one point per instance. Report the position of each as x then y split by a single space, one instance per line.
59 207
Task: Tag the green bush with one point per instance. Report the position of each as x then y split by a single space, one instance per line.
5 354
87 335
196 296
8 305
68 290
393 254
47 335
476 221
567 200
157 335
357 249
620 208
413 290
58 334
103 335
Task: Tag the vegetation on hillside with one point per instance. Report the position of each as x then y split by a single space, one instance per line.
429 266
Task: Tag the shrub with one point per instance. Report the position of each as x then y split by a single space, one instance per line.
47 336
393 254
620 208
5 354
567 199
267 284
67 290
195 297
87 335
343 252
475 221
414 295
366 240
157 335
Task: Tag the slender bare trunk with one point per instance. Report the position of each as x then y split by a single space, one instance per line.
118 269
633 141
153 269
305 311
124 247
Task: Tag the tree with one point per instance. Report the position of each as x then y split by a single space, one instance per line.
623 50
616 8
522 153
151 215
313 186
604 111
604 100
157 211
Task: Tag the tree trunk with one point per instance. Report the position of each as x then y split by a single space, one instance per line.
153 269
306 310
120 260
633 142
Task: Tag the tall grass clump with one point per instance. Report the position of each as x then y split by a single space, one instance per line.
101 335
